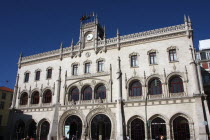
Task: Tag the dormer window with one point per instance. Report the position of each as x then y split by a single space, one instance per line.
26 78
49 73
87 67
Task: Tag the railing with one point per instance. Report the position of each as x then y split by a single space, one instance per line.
46 104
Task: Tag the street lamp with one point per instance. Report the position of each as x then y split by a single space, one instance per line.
147 122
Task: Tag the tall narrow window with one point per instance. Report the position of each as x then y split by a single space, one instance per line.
47 97
35 98
37 78
100 66
100 92
152 58
172 55
134 62
75 70
74 94
26 79
87 67
1 105
87 93
49 73
24 99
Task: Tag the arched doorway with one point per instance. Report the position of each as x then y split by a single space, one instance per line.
100 127
32 129
158 127
137 130
45 127
20 130
73 127
181 129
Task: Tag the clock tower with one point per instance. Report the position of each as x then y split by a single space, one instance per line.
90 32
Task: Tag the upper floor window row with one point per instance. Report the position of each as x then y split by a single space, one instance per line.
35 97
37 75
175 85
87 67
152 54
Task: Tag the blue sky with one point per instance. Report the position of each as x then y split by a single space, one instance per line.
35 26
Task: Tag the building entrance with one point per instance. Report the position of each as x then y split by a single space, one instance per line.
101 127
73 127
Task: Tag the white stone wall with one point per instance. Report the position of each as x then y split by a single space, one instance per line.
166 106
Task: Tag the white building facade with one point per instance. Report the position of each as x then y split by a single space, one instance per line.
144 86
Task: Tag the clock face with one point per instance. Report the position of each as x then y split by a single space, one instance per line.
89 37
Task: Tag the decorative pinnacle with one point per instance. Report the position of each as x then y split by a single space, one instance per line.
118 33
185 19
21 54
61 46
72 42
189 19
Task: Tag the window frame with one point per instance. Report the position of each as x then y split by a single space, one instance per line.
100 66
173 85
155 90
75 69
26 77
44 97
49 74
84 92
134 61
87 68
174 55
100 89
131 89
37 78
153 58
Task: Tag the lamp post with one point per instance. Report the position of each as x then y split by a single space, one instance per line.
147 124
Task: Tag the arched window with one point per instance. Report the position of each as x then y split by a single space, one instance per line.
100 92
47 97
45 127
24 99
101 127
32 129
158 127
176 85
155 87
137 129
181 129
87 93
135 89
74 94
35 98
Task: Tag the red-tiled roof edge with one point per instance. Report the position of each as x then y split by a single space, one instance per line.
6 89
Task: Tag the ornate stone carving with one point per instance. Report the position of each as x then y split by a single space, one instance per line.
100 109
65 116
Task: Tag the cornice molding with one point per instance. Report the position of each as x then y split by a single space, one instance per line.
111 43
